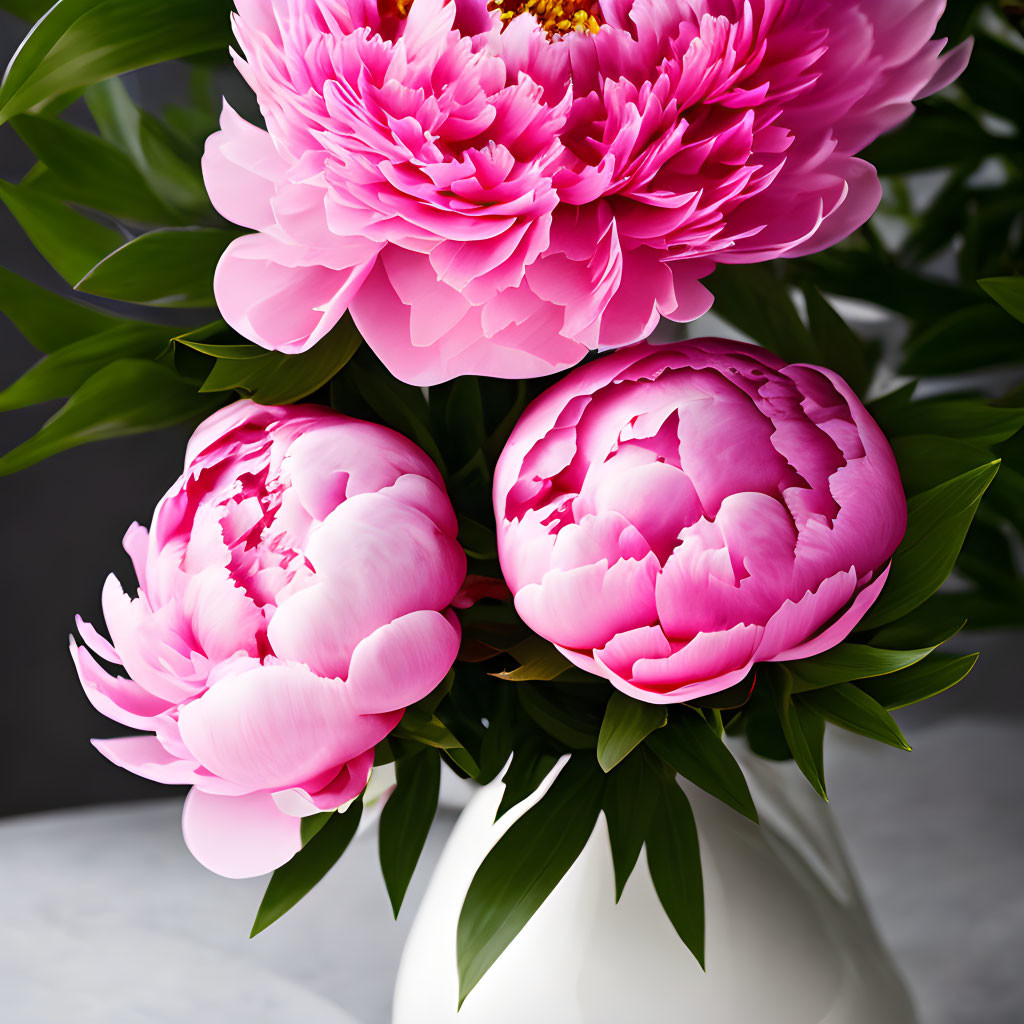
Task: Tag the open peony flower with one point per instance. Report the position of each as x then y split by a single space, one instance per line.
668 516
293 601
495 187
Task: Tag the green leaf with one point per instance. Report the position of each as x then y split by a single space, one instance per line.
936 528
79 42
557 720
87 170
400 406
938 135
312 824
926 679
626 724
538 660
432 732
129 396
406 820
966 340
166 267
852 709
523 868
295 879
274 378
464 420
58 375
691 748
925 626
673 858
838 346
804 730
48 321
927 460
630 803
480 542
753 299
70 242
29 10
171 168
849 661
1008 292
969 420
529 767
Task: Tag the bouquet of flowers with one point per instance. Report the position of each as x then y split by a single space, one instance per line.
463 495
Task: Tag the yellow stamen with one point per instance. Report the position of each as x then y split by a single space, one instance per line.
556 17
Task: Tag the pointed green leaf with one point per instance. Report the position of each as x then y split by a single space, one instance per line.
406 820
970 420
523 868
530 766
479 541
937 525
982 335
673 858
926 679
70 242
79 42
1008 292
538 660
275 378
48 321
692 748
852 709
838 346
627 723
88 170
752 298
166 267
129 396
58 375
292 881
564 723
630 803
927 460
804 730
429 730
850 661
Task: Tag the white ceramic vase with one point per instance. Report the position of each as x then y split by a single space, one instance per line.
789 940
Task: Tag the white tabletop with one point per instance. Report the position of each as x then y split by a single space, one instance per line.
106 919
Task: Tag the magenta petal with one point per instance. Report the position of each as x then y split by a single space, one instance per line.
239 836
839 630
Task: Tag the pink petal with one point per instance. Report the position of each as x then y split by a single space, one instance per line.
402 662
239 836
277 725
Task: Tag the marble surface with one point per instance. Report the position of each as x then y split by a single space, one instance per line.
107 919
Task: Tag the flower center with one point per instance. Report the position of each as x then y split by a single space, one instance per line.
556 17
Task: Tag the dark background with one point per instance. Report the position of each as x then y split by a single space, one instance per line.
61 523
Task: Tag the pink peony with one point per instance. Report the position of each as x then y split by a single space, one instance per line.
495 191
667 516
293 601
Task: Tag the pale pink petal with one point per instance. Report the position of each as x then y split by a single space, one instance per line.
239 836
402 662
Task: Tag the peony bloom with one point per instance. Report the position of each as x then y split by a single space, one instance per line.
667 516
293 601
495 187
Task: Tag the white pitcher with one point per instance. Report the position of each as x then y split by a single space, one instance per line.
789 940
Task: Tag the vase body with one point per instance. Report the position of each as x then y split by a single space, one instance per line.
788 938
